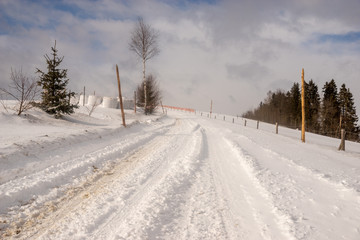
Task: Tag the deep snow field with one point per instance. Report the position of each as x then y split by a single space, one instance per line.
174 176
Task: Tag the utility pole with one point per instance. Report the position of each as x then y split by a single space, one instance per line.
120 97
302 106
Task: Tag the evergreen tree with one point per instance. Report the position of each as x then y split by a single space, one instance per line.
330 109
348 113
55 97
153 96
312 106
295 105
321 117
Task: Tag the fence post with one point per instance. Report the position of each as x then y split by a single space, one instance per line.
277 128
245 123
224 118
257 125
84 97
233 120
342 144
215 116
120 97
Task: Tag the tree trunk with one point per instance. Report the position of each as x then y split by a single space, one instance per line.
144 80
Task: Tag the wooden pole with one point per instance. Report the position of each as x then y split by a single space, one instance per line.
120 97
277 128
342 144
302 107
257 125
84 97
245 123
210 108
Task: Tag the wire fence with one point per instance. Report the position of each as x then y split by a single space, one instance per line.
349 136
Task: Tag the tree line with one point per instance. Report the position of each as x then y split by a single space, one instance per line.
327 116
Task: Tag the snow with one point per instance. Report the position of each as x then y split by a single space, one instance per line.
174 176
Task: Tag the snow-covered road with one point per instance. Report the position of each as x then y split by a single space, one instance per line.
188 177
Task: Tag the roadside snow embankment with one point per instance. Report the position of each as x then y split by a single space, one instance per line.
56 155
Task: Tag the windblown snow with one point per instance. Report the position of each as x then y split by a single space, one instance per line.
175 176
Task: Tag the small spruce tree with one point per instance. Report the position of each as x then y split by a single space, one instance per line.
55 96
153 95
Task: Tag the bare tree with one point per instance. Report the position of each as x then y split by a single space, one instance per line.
144 42
23 89
91 108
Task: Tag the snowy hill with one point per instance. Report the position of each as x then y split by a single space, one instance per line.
179 176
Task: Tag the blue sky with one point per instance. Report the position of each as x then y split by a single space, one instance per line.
348 37
230 51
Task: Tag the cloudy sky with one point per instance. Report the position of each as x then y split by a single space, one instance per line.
230 51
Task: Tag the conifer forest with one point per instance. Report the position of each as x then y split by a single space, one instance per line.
327 115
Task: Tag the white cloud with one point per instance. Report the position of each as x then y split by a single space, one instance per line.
232 51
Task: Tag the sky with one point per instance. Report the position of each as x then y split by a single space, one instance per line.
229 51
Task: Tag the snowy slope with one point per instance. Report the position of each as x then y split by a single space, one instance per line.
180 176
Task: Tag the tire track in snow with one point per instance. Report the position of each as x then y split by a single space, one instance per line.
160 213
249 212
45 182
202 211
115 199
132 220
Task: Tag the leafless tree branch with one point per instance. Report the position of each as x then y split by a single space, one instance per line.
92 107
23 89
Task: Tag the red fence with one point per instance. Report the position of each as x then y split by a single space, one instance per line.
179 108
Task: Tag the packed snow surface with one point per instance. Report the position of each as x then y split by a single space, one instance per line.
175 176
